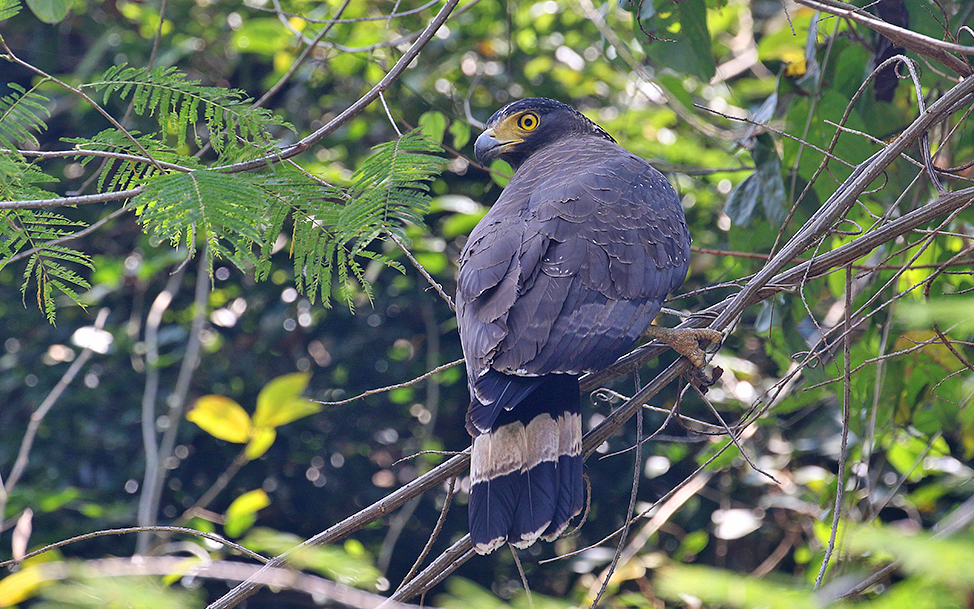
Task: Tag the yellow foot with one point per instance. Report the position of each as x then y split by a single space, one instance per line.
686 341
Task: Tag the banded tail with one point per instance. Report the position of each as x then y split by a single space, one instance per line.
526 464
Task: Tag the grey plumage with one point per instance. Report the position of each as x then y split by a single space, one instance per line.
562 276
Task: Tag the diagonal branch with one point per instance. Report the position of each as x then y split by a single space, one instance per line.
924 45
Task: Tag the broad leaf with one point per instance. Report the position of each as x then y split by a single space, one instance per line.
222 418
260 440
50 11
242 513
280 401
761 192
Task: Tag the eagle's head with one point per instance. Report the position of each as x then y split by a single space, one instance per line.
520 128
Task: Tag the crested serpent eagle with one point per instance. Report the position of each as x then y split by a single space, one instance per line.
564 275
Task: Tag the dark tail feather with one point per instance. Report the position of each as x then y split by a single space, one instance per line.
527 471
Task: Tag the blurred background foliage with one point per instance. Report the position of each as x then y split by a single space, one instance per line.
664 79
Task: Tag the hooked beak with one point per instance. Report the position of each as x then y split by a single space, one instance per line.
486 148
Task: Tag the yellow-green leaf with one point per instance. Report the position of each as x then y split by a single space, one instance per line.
242 513
22 585
260 441
222 418
280 401
353 567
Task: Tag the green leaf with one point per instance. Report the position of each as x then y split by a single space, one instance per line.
50 11
222 418
726 588
955 312
725 450
692 544
682 38
222 209
46 265
21 114
947 561
433 125
280 401
350 565
236 128
461 134
331 235
264 36
500 172
9 8
763 191
242 513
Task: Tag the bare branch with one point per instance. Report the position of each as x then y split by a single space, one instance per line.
930 47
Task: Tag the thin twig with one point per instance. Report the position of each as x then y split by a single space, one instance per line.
846 408
637 470
434 535
280 579
388 388
82 95
37 417
128 530
177 399
419 267
359 105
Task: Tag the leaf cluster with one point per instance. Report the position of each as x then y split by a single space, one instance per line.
236 216
333 230
235 128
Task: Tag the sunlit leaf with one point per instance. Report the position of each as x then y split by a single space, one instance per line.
21 585
461 134
261 439
726 588
242 513
280 401
347 564
222 418
264 36
945 560
955 312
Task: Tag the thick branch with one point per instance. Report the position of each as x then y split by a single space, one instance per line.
924 45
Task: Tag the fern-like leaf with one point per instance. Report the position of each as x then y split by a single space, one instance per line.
20 116
391 188
47 264
236 128
331 233
225 210
18 180
127 174
9 8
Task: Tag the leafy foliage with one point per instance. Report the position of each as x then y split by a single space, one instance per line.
129 173
21 115
332 231
221 209
47 261
237 129
19 179
317 221
9 8
278 403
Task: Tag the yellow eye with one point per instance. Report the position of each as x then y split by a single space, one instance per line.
528 121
